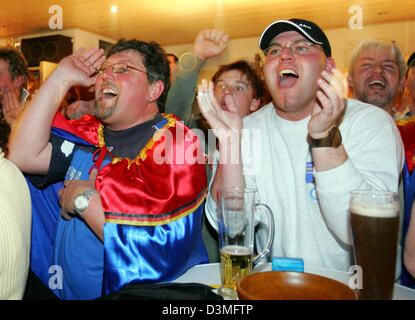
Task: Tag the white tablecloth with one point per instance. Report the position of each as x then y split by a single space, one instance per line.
209 274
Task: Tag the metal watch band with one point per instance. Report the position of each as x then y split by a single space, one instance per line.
86 194
333 140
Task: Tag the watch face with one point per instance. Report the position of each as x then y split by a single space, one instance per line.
80 202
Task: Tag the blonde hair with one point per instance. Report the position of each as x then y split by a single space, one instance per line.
378 45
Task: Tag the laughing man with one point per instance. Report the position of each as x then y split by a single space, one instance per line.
313 147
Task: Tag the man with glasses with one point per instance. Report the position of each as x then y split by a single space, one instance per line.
130 205
305 151
184 73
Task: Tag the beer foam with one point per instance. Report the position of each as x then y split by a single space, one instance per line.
236 250
388 210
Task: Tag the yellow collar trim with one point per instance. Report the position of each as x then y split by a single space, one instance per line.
402 122
171 122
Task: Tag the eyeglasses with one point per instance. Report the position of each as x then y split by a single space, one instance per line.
300 47
119 68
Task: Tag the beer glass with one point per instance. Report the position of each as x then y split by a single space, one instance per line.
236 212
375 222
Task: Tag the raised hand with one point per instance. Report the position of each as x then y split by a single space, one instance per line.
11 105
210 43
332 101
224 123
80 67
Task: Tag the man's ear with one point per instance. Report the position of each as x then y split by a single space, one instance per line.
155 90
255 103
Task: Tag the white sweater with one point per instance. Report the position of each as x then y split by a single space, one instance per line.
15 230
311 209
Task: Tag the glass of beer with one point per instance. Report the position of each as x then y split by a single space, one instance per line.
236 215
375 222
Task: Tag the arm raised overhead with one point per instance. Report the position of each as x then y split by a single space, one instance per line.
29 146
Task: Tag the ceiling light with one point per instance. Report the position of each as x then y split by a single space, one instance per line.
114 9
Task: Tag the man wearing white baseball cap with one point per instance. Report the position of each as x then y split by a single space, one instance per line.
306 150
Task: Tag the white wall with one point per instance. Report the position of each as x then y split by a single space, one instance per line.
342 41
245 48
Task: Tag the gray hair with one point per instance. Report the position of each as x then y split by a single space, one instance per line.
378 45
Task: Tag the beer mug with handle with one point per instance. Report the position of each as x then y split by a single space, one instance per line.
236 217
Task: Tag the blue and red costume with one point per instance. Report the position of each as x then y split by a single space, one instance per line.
153 207
407 130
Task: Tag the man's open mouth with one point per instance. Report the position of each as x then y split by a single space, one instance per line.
287 78
108 93
377 84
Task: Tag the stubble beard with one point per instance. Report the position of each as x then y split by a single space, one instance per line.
104 113
380 101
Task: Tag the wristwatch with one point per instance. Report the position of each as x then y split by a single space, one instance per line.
333 140
81 201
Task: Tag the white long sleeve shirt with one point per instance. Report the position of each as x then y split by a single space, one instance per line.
311 209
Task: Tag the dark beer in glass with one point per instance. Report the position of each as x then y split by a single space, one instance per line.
375 222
